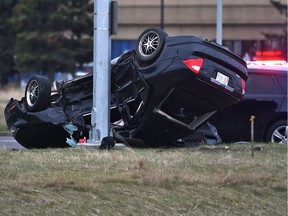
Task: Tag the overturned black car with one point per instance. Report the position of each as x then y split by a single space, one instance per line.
161 93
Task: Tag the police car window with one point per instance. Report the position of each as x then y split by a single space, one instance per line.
262 84
283 83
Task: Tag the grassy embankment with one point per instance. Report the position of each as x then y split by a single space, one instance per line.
204 181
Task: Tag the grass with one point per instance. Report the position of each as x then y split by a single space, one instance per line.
5 95
216 180
202 181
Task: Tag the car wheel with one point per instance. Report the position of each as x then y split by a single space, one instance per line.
150 44
37 93
278 132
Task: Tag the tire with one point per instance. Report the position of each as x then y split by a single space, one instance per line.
278 132
107 143
150 44
37 94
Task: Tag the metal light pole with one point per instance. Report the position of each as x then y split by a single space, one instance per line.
162 14
219 22
100 118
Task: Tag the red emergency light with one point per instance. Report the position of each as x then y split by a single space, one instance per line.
269 55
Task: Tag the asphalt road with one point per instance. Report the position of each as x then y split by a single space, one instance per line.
9 143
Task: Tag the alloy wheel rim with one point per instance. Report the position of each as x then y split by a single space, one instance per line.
280 135
149 43
32 93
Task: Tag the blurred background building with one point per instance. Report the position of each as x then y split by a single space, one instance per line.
253 29
249 26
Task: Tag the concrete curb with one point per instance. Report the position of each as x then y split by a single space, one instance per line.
5 133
